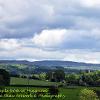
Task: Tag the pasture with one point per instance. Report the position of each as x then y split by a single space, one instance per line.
69 92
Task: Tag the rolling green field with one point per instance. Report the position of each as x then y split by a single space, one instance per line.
70 92
23 81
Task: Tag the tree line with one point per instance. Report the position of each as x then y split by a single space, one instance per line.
82 78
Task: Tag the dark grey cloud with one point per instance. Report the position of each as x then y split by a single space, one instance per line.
20 19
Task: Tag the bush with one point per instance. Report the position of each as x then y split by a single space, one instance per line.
87 94
97 92
53 90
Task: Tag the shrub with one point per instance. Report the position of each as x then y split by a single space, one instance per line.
87 94
53 90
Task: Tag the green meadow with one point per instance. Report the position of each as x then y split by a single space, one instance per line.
67 93
70 93
24 81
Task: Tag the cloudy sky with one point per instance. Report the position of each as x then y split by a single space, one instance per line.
50 30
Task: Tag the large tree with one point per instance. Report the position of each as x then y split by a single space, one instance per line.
4 77
59 75
56 75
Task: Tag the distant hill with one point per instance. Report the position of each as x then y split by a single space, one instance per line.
23 66
15 62
52 63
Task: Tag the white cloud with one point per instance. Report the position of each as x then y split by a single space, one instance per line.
90 3
25 49
30 53
83 56
49 38
6 44
68 39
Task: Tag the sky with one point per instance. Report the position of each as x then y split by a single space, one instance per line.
66 30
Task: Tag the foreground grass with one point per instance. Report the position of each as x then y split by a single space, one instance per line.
70 93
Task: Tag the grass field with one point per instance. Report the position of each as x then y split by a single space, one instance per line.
70 93
23 81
